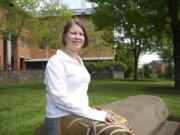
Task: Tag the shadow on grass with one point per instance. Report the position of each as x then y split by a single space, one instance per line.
132 80
173 118
163 90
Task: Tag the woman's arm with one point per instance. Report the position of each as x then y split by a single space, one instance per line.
55 80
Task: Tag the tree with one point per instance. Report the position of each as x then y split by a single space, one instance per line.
129 21
164 15
169 71
51 19
97 39
166 50
167 19
18 16
41 29
125 57
147 71
174 15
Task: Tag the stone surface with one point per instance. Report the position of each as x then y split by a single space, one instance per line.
169 128
11 76
145 113
118 74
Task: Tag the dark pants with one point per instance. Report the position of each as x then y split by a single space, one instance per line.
52 126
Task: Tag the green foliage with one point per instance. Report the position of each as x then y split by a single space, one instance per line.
159 73
52 18
98 39
118 65
169 71
105 66
154 76
19 16
147 71
131 22
148 23
28 6
166 49
129 71
126 57
42 23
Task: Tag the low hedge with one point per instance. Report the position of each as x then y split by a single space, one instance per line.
105 66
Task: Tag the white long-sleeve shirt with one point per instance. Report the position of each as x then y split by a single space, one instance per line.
67 83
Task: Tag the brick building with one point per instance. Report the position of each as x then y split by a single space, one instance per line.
15 56
1 44
157 66
24 56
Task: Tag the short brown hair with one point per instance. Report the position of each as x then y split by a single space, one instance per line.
68 26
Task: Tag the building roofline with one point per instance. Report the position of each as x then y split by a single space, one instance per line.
87 11
85 58
36 60
98 58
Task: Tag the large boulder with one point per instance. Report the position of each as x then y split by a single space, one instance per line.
145 113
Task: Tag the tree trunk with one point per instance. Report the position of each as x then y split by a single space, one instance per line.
176 41
14 41
175 24
135 68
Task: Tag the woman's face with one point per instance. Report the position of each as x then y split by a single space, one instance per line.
74 38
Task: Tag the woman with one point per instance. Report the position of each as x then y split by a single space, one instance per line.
67 79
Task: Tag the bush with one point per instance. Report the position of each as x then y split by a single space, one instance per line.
147 71
119 66
169 71
154 77
104 66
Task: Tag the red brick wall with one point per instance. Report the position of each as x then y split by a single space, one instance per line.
41 53
25 53
1 54
158 66
1 45
21 52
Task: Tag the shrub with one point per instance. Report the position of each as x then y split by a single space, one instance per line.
154 77
104 66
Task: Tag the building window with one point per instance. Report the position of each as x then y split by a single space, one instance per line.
41 46
22 43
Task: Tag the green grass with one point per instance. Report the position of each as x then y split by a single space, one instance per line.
22 106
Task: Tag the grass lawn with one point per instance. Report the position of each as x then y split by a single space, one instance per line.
22 106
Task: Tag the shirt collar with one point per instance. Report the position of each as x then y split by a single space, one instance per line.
65 56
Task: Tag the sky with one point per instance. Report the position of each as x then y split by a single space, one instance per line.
76 4
147 58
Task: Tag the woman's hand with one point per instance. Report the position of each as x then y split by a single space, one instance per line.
111 112
109 119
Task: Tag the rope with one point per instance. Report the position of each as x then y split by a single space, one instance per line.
119 130
74 121
110 126
92 125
